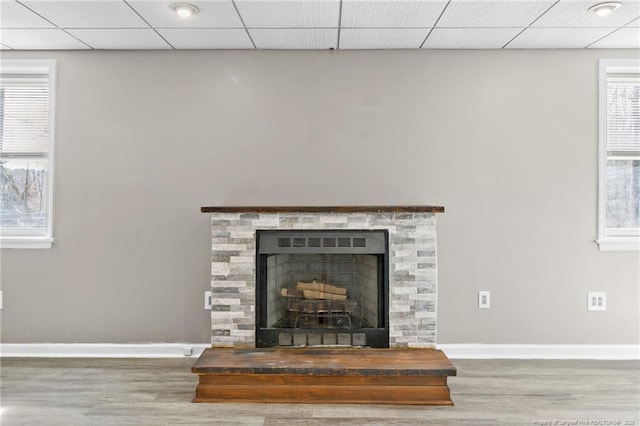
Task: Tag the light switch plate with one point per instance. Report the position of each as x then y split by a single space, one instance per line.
484 299
207 300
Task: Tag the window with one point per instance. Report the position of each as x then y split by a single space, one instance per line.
619 167
27 93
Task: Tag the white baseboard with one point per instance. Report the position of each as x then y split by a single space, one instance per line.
510 351
453 350
102 350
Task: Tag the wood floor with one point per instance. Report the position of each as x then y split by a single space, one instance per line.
158 392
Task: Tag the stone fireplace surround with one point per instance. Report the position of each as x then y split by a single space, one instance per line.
412 265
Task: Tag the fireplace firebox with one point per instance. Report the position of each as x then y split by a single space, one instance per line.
322 288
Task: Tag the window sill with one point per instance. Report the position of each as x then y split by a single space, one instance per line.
619 244
26 243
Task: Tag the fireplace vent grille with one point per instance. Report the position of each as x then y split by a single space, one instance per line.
322 242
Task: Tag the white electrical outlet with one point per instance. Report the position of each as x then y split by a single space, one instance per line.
0 299
484 299
187 351
597 301
207 300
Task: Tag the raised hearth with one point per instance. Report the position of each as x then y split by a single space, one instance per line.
335 376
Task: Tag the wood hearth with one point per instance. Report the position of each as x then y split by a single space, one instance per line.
328 376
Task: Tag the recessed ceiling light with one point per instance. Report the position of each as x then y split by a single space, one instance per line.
184 10
604 9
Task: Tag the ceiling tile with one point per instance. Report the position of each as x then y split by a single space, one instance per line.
634 23
573 14
15 15
557 38
39 39
295 38
385 38
201 38
470 38
473 14
213 14
289 14
128 38
87 14
390 14
624 38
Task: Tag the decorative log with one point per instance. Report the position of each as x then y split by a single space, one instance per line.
287 292
311 294
321 287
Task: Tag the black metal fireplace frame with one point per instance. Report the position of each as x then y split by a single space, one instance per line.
373 337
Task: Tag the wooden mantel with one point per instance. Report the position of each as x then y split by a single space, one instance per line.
323 209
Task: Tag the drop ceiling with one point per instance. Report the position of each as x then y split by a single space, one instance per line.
316 24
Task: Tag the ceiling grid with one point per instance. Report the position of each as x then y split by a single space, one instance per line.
316 25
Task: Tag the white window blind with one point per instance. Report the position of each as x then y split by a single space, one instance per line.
24 115
623 114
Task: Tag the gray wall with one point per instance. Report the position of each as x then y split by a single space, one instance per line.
506 140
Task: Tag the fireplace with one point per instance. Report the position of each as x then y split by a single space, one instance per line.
348 289
260 254
322 288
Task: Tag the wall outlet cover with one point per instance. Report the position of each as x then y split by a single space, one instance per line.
597 301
